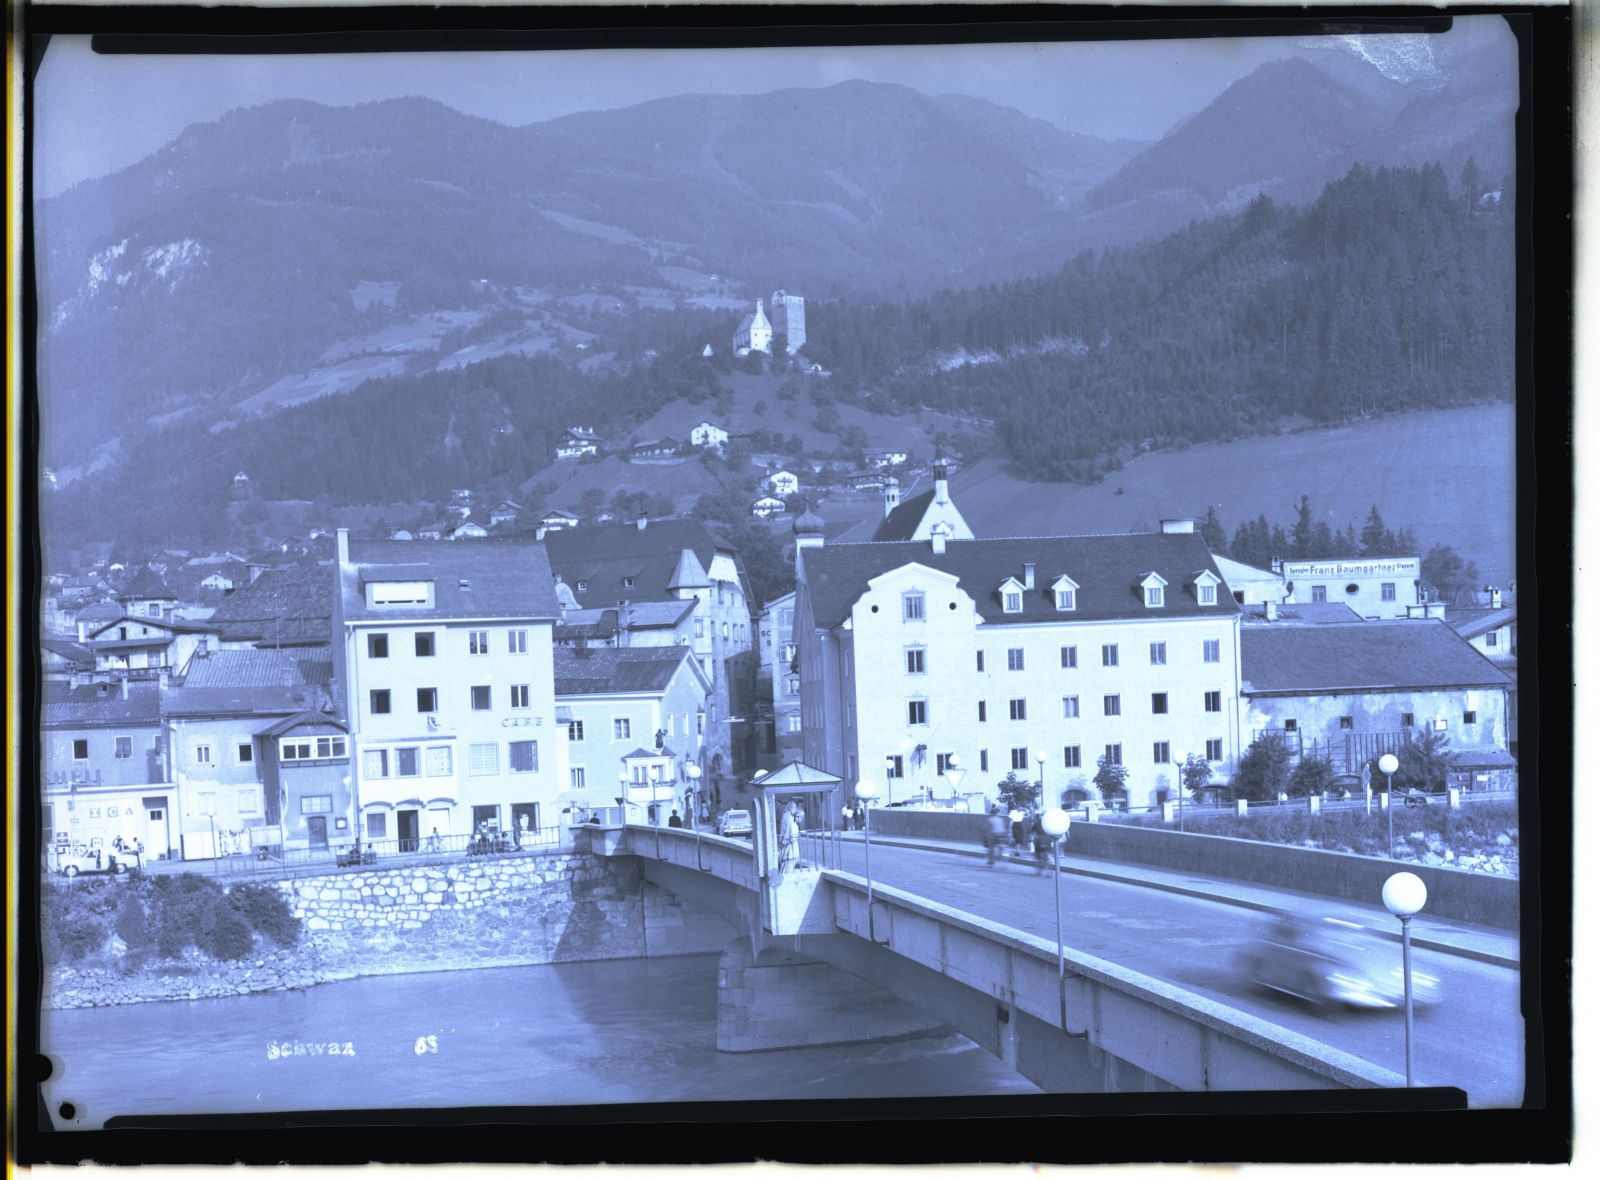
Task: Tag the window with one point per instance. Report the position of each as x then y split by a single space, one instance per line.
1213 749
519 696
574 731
894 766
1019 757
1158 653
1347 723
1491 639
1213 651
1019 708
377 826
699 725
202 754
1213 702
942 763
983 761
316 804
330 747
80 749
438 762
916 712
1407 720
1069 707
517 641
424 643
481 697
1470 717
379 698
1162 752
1114 754
427 700
374 763
1069 656
1319 594
1290 725
1108 655
980 661
400 593
576 778
1013 602
621 729
699 628
1386 591
478 643
1072 756
483 758
524 757
1015 660
1113 705
794 723
916 660
378 647
791 686
1154 595
1066 599
1207 593
245 801
206 803
124 747
1158 702
913 607
407 761
983 711
247 753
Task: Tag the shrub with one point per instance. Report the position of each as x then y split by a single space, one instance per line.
223 934
266 910
1263 769
1111 778
132 926
1311 777
1016 792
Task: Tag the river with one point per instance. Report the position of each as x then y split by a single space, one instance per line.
619 1031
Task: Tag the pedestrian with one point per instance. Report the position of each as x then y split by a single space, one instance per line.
674 820
995 834
1019 827
1041 846
861 817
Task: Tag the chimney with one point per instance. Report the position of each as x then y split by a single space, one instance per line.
1494 597
1178 525
124 688
941 482
1272 610
83 631
1027 575
344 546
938 540
643 522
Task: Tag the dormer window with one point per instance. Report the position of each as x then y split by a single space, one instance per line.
1066 593
1011 596
400 593
1155 589
1205 588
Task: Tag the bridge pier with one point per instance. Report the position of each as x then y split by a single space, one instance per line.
778 999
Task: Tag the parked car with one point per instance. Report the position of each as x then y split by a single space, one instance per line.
1332 962
735 822
99 860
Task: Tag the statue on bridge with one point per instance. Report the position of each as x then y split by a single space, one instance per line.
789 837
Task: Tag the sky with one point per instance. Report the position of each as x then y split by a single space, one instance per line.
97 113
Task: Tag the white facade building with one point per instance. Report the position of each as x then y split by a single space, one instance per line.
754 334
1373 587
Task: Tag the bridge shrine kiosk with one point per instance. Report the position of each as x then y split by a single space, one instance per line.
788 888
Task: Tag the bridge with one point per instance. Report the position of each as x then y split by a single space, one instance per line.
823 955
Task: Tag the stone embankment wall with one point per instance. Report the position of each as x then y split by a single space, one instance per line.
500 912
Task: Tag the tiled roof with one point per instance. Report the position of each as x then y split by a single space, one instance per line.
1471 622
99 704
253 680
617 669
1107 570
96 613
903 521
146 584
1390 654
602 557
504 579
288 604
308 717
68 649
1300 612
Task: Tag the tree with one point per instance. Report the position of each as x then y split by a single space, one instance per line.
1111 778
1216 537
1448 573
1312 776
1302 528
1375 536
1017 792
1263 769
1425 764
1195 773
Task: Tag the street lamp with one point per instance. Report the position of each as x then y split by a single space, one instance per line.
867 792
1404 895
1182 760
623 781
1056 824
1039 756
693 771
1389 764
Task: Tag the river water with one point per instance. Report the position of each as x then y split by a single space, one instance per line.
619 1031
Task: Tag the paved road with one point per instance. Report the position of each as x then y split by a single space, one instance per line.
1472 1039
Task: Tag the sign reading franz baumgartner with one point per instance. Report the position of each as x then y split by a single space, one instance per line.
1404 567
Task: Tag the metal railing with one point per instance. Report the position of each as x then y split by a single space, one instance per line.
270 859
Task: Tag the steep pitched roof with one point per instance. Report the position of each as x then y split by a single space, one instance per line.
618 669
68 649
297 720
903 521
290 604
1107 570
688 574
602 557
1389 654
502 579
253 680
146 584
88 705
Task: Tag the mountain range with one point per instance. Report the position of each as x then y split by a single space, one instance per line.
231 257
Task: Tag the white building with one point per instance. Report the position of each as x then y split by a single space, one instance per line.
1373 587
443 656
1251 585
768 506
708 434
783 483
754 334
916 518
916 652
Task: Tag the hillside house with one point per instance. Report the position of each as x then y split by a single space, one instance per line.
886 458
708 434
555 520
579 442
505 510
767 507
468 530
653 450
783 483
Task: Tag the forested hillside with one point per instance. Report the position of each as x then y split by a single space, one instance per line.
1394 290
